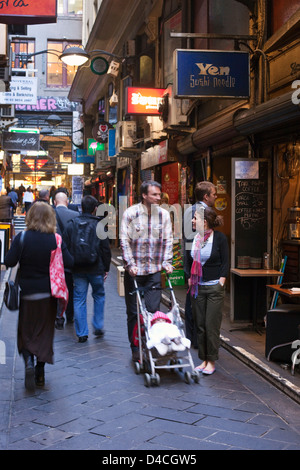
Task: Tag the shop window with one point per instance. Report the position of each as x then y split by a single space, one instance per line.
101 109
58 73
219 16
146 70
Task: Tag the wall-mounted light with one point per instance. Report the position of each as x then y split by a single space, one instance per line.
74 56
79 56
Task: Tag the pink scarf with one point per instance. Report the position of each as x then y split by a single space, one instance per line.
196 270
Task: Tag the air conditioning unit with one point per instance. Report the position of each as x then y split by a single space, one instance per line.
156 128
130 48
125 135
7 111
173 111
100 157
4 74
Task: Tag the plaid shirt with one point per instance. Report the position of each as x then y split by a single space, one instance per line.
146 240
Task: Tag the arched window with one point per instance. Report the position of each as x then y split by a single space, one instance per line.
146 70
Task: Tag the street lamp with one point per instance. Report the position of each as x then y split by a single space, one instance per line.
48 131
79 56
54 120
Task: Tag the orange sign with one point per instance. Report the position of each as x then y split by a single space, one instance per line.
144 101
28 11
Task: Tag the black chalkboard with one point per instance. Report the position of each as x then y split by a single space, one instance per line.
250 230
251 200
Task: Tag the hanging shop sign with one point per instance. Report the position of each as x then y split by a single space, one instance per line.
20 142
28 12
82 156
93 146
144 101
156 155
112 142
100 131
219 74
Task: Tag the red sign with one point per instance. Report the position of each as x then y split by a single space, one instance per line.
169 182
144 100
28 11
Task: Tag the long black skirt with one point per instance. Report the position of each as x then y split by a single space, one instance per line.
36 327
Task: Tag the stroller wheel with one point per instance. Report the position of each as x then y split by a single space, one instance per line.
156 379
147 380
187 377
196 376
137 367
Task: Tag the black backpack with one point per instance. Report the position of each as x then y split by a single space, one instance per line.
85 242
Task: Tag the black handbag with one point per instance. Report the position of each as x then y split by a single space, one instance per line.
11 294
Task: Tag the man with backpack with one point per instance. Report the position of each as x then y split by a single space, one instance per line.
63 215
92 258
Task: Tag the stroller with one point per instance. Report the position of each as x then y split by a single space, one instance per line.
150 360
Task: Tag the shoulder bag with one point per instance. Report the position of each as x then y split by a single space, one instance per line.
57 276
11 295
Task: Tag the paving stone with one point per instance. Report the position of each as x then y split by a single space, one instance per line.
93 399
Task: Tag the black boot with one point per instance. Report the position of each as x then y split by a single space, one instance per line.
40 374
29 371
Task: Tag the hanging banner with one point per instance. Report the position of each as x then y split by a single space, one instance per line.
219 74
28 11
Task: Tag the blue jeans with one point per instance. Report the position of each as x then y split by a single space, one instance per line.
81 284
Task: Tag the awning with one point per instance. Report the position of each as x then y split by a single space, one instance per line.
276 112
218 131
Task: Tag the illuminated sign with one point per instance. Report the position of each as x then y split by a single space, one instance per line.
75 169
24 130
93 146
28 12
144 101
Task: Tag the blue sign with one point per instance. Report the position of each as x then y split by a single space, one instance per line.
112 142
83 157
222 74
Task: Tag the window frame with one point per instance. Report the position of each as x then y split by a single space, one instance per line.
65 69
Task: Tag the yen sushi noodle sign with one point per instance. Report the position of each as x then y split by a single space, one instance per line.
219 74
28 11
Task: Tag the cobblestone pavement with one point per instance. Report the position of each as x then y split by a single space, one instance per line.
93 399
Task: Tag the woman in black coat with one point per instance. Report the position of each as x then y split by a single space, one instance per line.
208 263
37 312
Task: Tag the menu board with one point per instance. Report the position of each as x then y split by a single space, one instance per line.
250 228
250 202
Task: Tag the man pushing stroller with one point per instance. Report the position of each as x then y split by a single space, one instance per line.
147 248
